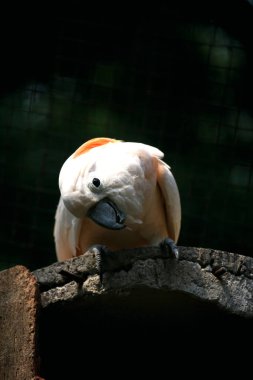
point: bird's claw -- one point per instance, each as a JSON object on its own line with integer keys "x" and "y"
{"x": 100, "y": 251}
{"x": 169, "y": 248}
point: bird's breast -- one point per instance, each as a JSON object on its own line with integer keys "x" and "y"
{"x": 92, "y": 234}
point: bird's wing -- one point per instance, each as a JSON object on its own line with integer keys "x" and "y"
{"x": 171, "y": 197}
{"x": 66, "y": 232}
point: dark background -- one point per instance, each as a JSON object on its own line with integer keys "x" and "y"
{"x": 176, "y": 76}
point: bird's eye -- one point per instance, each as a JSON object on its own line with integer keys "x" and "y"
{"x": 96, "y": 182}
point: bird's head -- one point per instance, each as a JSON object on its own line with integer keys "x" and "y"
{"x": 107, "y": 182}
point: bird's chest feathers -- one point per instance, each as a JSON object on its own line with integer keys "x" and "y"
{"x": 92, "y": 234}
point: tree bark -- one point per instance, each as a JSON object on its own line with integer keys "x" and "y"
{"x": 18, "y": 315}
{"x": 147, "y": 303}
{"x": 122, "y": 296}
{"x": 218, "y": 277}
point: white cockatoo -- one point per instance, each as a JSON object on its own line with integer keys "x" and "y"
{"x": 115, "y": 194}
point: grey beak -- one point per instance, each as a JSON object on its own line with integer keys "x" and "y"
{"x": 106, "y": 214}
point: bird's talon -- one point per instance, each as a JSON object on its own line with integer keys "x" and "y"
{"x": 169, "y": 248}
{"x": 100, "y": 251}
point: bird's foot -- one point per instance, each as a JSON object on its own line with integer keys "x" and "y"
{"x": 169, "y": 248}
{"x": 100, "y": 252}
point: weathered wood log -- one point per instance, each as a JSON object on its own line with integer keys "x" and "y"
{"x": 119, "y": 296}
{"x": 147, "y": 304}
{"x": 222, "y": 278}
{"x": 18, "y": 316}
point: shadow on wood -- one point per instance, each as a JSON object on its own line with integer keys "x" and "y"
{"x": 143, "y": 327}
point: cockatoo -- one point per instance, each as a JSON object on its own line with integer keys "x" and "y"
{"x": 116, "y": 194}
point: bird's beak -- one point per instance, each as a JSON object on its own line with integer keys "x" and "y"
{"x": 106, "y": 214}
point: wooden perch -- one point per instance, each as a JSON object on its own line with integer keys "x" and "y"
{"x": 222, "y": 278}
{"x": 147, "y": 303}
{"x": 145, "y": 295}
